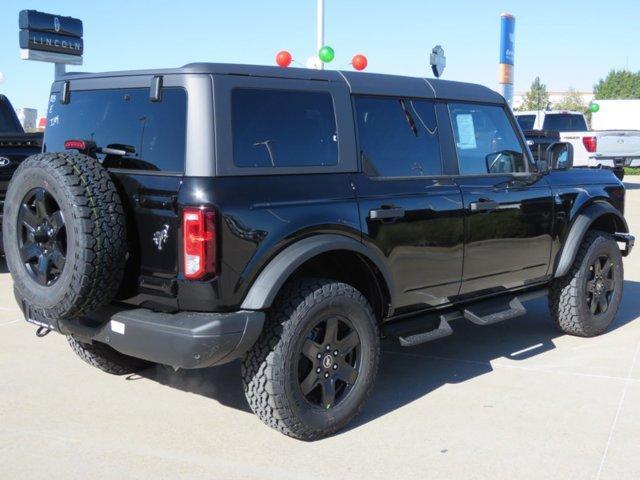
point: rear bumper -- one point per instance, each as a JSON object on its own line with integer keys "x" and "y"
{"x": 614, "y": 162}
{"x": 181, "y": 340}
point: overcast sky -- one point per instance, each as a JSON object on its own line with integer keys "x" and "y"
{"x": 568, "y": 43}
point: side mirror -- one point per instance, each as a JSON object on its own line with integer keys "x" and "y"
{"x": 559, "y": 156}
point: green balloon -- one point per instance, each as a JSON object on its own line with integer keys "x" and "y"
{"x": 594, "y": 107}
{"x": 326, "y": 54}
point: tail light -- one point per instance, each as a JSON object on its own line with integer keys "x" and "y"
{"x": 83, "y": 146}
{"x": 199, "y": 242}
{"x": 590, "y": 143}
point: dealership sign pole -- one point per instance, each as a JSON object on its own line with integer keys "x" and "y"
{"x": 505, "y": 69}
{"x": 51, "y": 38}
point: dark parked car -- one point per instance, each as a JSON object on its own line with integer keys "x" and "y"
{"x": 287, "y": 217}
{"x": 15, "y": 146}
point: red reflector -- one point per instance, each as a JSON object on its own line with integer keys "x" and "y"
{"x": 590, "y": 143}
{"x": 199, "y": 242}
{"x": 75, "y": 145}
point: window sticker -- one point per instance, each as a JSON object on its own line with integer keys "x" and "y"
{"x": 466, "y": 131}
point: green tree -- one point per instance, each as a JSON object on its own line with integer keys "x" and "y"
{"x": 619, "y": 84}
{"x": 537, "y": 98}
{"x": 571, "y": 101}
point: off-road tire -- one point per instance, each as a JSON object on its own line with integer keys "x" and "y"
{"x": 96, "y": 240}
{"x": 267, "y": 369}
{"x": 568, "y": 295}
{"x": 106, "y": 358}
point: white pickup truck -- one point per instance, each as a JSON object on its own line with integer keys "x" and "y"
{"x": 614, "y": 149}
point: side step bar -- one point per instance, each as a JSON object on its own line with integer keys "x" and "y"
{"x": 499, "y": 309}
{"x": 425, "y": 328}
{"x": 516, "y": 309}
{"x": 443, "y": 330}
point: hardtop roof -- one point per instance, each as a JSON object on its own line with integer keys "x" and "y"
{"x": 357, "y": 82}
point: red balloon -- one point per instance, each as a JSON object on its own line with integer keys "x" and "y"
{"x": 359, "y": 62}
{"x": 283, "y": 59}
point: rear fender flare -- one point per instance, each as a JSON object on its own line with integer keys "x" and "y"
{"x": 580, "y": 226}
{"x": 269, "y": 282}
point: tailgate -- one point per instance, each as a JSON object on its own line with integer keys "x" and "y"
{"x": 618, "y": 144}
{"x": 13, "y": 150}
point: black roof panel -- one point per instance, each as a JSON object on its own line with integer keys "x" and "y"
{"x": 381, "y": 84}
{"x": 358, "y": 82}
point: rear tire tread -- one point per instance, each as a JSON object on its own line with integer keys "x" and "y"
{"x": 106, "y": 359}
{"x": 262, "y": 366}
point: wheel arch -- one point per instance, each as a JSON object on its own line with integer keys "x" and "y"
{"x": 332, "y": 255}
{"x": 596, "y": 216}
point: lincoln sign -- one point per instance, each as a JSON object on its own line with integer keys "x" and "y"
{"x": 50, "y": 33}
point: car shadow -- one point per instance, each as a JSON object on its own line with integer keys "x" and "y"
{"x": 222, "y": 383}
{"x": 407, "y": 374}
{"x": 3, "y": 264}
{"x": 632, "y": 185}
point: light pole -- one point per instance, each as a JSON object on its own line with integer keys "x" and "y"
{"x": 320, "y": 30}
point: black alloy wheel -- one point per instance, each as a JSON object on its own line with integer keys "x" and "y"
{"x": 600, "y": 285}
{"x": 329, "y": 362}
{"x": 42, "y": 236}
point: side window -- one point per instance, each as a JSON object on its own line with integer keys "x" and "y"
{"x": 398, "y": 137}
{"x": 152, "y": 133}
{"x": 283, "y": 128}
{"x": 485, "y": 140}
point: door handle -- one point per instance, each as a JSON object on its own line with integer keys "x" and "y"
{"x": 386, "y": 213}
{"x": 483, "y": 205}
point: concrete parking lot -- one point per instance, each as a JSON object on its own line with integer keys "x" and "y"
{"x": 513, "y": 400}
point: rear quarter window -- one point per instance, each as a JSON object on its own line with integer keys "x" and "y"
{"x": 283, "y": 128}
{"x": 153, "y": 132}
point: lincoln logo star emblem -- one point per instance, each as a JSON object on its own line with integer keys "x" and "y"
{"x": 161, "y": 237}
{"x": 56, "y": 24}
{"x": 4, "y": 162}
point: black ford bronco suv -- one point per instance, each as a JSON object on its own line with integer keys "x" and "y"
{"x": 290, "y": 218}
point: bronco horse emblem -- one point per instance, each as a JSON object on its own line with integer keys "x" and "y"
{"x": 161, "y": 237}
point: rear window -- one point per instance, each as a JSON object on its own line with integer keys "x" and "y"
{"x": 565, "y": 122}
{"x": 526, "y": 122}
{"x": 283, "y": 128}
{"x": 153, "y": 133}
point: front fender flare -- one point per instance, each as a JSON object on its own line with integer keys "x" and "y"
{"x": 583, "y": 221}
{"x": 269, "y": 282}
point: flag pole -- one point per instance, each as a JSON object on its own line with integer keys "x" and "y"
{"x": 320, "y": 30}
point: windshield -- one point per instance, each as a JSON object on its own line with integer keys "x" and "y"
{"x": 526, "y": 121}
{"x": 7, "y": 120}
{"x": 565, "y": 122}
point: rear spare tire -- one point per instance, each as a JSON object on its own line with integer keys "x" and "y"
{"x": 64, "y": 236}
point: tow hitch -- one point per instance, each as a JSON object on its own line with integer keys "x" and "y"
{"x": 42, "y": 332}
